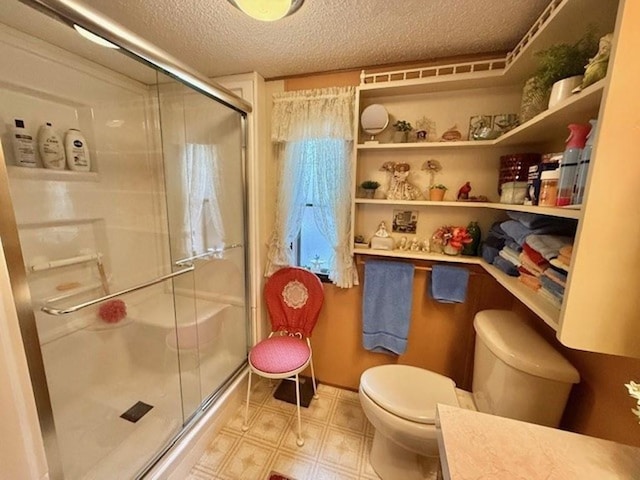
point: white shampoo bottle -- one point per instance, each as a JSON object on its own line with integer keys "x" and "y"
{"x": 24, "y": 149}
{"x": 77, "y": 152}
{"x": 51, "y": 148}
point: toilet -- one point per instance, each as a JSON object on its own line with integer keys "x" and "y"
{"x": 516, "y": 374}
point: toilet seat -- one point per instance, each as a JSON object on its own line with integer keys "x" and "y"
{"x": 408, "y": 392}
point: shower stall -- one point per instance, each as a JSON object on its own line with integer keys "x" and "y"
{"x": 130, "y": 279}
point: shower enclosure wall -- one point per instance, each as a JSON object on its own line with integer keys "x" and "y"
{"x": 157, "y": 225}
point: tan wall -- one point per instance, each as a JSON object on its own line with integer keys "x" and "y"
{"x": 441, "y": 338}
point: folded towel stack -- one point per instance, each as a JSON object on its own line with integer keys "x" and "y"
{"x": 535, "y": 248}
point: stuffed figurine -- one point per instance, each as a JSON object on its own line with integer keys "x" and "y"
{"x": 463, "y": 193}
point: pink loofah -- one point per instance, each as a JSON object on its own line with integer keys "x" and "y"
{"x": 113, "y": 311}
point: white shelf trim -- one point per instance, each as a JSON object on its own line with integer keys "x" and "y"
{"x": 549, "y": 211}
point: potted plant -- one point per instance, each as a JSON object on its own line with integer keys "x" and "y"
{"x": 402, "y": 131}
{"x": 369, "y": 187}
{"x": 436, "y": 192}
{"x": 559, "y": 62}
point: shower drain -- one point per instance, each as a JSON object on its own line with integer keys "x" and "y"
{"x": 135, "y": 413}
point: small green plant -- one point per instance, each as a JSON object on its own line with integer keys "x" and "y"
{"x": 402, "y": 126}
{"x": 438, "y": 186}
{"x": 369, "y": 185}
{"x": 564, "y": 60}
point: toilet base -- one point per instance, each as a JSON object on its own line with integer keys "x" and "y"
{"x": 391, "y": 462}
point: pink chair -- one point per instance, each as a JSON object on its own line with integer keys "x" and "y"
{"x": 294, "y": 298}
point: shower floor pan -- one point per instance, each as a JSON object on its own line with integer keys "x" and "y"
{"x": 95, "y": 375}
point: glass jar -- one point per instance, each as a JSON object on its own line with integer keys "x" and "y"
{"x": 549, "y": 188}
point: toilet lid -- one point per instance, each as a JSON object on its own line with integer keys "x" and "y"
{"x": 408, "y": 392}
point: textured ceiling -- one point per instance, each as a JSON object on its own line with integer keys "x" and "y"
{"x": 217, "y": 39}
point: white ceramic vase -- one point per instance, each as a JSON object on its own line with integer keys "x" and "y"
{"x": 562, "y": 89}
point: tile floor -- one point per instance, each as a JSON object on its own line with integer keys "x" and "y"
{"x": 337, "y": 436}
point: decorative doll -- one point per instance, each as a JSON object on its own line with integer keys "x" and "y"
{"x": 400, "y": 188}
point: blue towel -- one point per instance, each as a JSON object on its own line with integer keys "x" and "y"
{"x": 448, "y": 284}
{"x": 506, "y": 266}
{"x": 489, "y": 252}
{"x": 513, "y": 245}
{"x": 534, "y": 221}
{"x": 519, "y": 232}
{"x": 386, "y": 306}
{"x": 553, "y": 287}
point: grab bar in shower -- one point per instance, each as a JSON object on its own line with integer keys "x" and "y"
{"x": 80, "y": 306}
{"x": 37, "y": 267}
{"x": 209, "y": 253}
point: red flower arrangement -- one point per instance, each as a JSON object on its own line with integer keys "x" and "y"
{"x": 453, "y": 237}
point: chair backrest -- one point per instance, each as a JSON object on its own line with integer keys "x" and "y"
{"x": 294, "y": 298}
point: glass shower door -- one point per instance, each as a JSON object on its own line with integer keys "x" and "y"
{"x": 204, "y": 171}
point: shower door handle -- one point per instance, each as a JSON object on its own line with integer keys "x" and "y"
{"x": 209, "y": 253}
{"x": 80, "y": 306}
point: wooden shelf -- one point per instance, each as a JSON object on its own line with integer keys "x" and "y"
{"x": 550, "y": 211}
{"x": 545, "y": 126}
{"x": 535, "y": 302}
{"x": 435, "y": 257}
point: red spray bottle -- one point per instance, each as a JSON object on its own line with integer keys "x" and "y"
{"x": 570, "y": 159}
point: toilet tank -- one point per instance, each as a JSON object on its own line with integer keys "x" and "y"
{"x": 516, "y": 373}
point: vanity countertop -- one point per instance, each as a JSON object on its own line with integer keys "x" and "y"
{"x": 476, "y": 445}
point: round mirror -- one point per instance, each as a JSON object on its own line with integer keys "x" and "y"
{"x": 374, "y": 119}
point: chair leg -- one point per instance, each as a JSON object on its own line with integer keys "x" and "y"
{"x": 299, "y": 440}
{"x": 313, "y": 379}
{"x": 245, "y": 424}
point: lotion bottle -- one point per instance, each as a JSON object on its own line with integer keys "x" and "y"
{"x": 24, "y": 149}
{"x": 51, "y": 148}
{"x": 77, "y": 152}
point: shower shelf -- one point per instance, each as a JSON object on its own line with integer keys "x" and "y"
{"x": 47, "y": 174}
{"x": 64, "y": 262}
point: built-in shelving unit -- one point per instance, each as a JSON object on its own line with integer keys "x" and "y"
{"x": 428, "y": 89}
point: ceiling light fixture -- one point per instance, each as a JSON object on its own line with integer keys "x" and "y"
{"x": 93, "y": 37}
{"x": 267, "y": 10}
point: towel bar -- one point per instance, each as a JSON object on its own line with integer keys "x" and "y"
{"x": 428, "y": 269}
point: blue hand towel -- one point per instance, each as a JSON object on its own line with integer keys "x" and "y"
{"x": 386, "y": 306}
{"x": 448, "y": 284}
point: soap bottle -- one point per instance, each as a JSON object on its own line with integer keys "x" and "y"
{"x": 569, "y": 164}
{"x": 51, "y": 148}
{"x": 583, "y": 165}
{"x": 77, "y": 152}
{"x": 24, "y": 149}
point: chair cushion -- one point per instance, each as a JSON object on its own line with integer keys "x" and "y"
{"x": 279, "y": 354}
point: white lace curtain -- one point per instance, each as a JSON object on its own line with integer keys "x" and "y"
{"x": 312, "y": 131}
{"x": 200, "y": 179}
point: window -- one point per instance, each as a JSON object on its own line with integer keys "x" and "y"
{"x": 313, "y": 251}
{"x": 312, "y": 131}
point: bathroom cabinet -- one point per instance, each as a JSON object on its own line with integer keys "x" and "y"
{"x": 601, "y": 310}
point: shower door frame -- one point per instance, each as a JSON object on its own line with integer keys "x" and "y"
{"x": 71, "y": 13}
